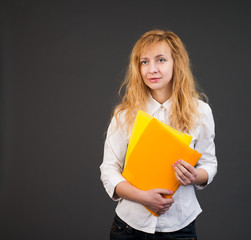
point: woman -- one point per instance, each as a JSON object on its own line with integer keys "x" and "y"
{"x": 159, "y": 81}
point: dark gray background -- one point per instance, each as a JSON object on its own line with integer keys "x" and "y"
{"x": 62, "y": 63}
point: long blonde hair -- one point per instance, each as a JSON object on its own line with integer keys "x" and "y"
{"x": 183, "y": 109}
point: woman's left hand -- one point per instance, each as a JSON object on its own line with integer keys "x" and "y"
{"x": 185, "y": 173}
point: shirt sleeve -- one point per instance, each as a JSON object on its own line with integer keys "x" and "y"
{"x": 113, "y": 160}
{"x": 205, "y": 145}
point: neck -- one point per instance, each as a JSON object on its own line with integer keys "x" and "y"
{"x": 160, "y": 96}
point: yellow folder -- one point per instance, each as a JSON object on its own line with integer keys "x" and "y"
{"x": 152, "y": 149}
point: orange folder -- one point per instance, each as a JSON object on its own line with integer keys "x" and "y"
{"x": 149, "y": 162}
{"x": 141, "y": 122}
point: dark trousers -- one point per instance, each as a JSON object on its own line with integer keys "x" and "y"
{"x": 121, "y": 231}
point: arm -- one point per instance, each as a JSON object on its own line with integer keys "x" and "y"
{"x": 113, "y": 159}
{"x": 187, "y": 174}
{"x": 116, "y": 185}
{"x": 152, "y": 199}
{"x": 204, "y": 171}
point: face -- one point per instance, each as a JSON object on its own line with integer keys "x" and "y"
{"x": 156, "y": 68}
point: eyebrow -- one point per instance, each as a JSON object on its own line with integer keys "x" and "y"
{"x": 160, "y": 55}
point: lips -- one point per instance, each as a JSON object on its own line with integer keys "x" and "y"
{"x": 154, "y": 80}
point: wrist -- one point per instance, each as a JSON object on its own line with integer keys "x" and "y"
{"x": 202, "y": 177}
{"x": 137, "y": 195}
{"x": 127, "y": 191}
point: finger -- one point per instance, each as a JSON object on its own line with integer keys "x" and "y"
{"x": 164, "y": 191}
{"x": 183, "y": 174}
{"x": 188, "y": 166}
{"x": 179, "y": 179}
{"x": 169, "y": 200}
{"x": 184, "y": 171}
{"x": 161, "y": 212}
{"x": 167, "y": 204}
{"x": 179, "y": 172}
{"x": 166, "y": 207}
{"x": 189, "y": 172}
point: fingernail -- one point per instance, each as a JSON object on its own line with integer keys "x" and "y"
{"x": 179, "y": 160}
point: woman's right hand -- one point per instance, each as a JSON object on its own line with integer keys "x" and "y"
{"x": 155, "y": 201}
{"x": 152, "y": 199}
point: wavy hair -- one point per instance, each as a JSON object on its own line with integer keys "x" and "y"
{"x": 183, "y": 109}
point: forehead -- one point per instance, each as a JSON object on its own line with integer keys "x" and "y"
{"x": 154, "y": 49}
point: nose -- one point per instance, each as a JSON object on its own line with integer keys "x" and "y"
{"x": 152, "y": 68}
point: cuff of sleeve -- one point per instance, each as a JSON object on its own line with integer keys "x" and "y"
{"x": 210, "y": 177}
{"x": 111, "y": 188}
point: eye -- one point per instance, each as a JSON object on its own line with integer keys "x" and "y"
{"x": 162, "y": 60}
{"x": 143, "y": 62}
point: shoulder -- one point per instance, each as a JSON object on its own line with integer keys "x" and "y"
{"x": 203, "y": 107}
{"x": 205, "y": 118}
{"x": 119, "y": 118}
{"x": 117, "y": 124}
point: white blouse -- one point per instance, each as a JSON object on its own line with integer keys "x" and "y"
{"x": 185, "y": 207}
